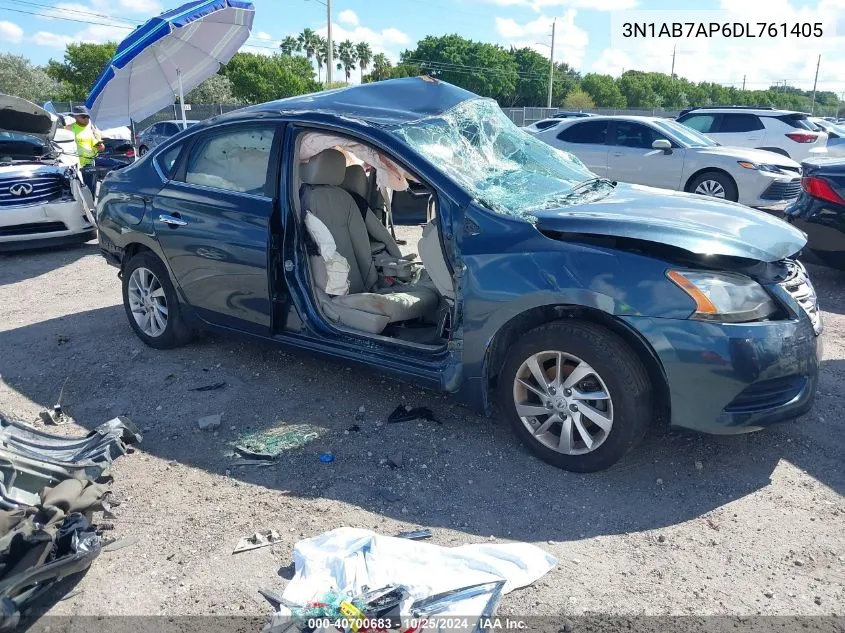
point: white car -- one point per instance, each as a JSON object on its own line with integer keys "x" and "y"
{"x": 42, "y": 199}
{"x": 782, "y": 131}
{"x": 659, "y": 153}
{"x": 835, "y": 136}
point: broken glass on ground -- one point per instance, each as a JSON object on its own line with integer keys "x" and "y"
{"x": 506, "y": 169}
{"x": 270, "y": 443}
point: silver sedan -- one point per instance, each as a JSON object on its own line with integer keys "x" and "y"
{"x": 661, "y": 153}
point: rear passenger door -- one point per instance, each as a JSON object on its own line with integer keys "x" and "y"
{"x": 212, "y": 220}
{"x": 588, "y": 141}
{"x": 742, "y": 129}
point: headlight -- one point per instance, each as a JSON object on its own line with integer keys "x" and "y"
{"x": 760, "y": 167}
{"x": 727, "y": 297}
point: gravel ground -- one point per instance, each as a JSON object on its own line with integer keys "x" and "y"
{"x": 686, "y": 524}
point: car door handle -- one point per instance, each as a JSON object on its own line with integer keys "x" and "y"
{"x": 171, "y": 220}
{"x": 617, "y": 153}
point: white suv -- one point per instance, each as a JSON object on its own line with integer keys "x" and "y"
{"x": 783, "y": 131}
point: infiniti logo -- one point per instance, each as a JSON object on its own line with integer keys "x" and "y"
{"x": 20, "y": 189}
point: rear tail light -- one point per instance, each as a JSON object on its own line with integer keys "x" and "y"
{"x": 819, "y": 188}
{"x": 130, "y": 152}
{"x": 803, "y": 137}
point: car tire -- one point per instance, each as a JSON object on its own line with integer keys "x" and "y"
{"x": 142, "y": 150}
{"x": 612, "y": 369}
{"x": 151, "y": 304}
{"x": 718, "y": 183}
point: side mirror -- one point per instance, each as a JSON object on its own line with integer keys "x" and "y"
{"x": 662, "y": 144}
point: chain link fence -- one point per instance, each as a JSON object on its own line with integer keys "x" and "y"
{"x": 527, "y": 116}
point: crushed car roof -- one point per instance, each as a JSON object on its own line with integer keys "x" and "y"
{"x": 386, "y": 103}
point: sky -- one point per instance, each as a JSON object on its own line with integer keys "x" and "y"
{"x": 588, "y": 32}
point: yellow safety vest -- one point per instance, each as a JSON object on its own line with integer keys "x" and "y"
{"x": 87, "y": 139}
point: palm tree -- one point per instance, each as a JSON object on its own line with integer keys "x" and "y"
{"x": 365, "y": 56}
{"x": 308, "y": 43}
{"x": 320, "y": 55}
{"x": 289, "y": 45}
{"x": 347, "y": 55}
{"x": 323, "y": 54}
{"x": 381, "y": 67}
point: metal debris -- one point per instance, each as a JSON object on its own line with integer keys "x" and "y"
{"x": 113, "y": 546}
{"x": 416, "y": 535}
{"x": 259, "y": 539}
{"x": 212, "y": 387}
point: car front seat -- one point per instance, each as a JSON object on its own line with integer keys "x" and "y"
{"x": 366, "y": 307}
{"x": 355, "y": 182}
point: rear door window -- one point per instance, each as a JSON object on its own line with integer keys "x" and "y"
{"x": 544, "y": 125}
{"x": 736, "y": 123}
{"x": 236, "y": 159}
{"x": 594, "y": 132}
{"x": 701, "y": 122}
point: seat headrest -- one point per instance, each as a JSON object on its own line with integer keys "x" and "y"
{"x": 326, "y": 168}
{"x": 356, "y": 180}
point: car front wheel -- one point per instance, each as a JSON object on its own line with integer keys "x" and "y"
{"x": 716, "y": 185}
{"x": 576, "y": 395}
{"x": 151, "y": 304}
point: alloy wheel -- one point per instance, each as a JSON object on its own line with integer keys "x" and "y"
{"x": 711, "y": 188}
{"x": 147, "y": 302}
{"x": 563, "y": 402}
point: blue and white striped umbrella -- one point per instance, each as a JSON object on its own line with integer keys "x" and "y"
{"x": 166, "y": 56}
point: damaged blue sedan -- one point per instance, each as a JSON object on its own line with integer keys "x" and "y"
{"x": 585, "y": 309}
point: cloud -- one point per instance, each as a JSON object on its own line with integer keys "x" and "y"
{"x": 94, "y": 34}
{"x": 144, "y": 7}
{"x": 10, "y": 32}
{"x": 760, "y": 61}
{"x": 348, "y": 17}
{"x": 595, "y": 5}
{"x": 52, "y": 40}
{"x": 570, "y": 40}
{"x": 262, "y": 35}
{"x": 382, "y": 41}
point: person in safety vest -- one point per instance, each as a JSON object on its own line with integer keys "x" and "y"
{"x": 88, "y": 143}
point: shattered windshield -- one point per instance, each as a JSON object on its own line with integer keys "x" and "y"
{"x": 506, "y": 169}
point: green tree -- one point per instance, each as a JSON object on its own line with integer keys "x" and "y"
{"x": 290, "y": 45}
{"x": 483, "y": 68}
{"x": 636, "y": 89}
{"x": 320, "y": 56}
{"x": 347, "y": 55}
{"x": 603, "y": 91}
{"x": 308, "y": 43}
{"x": 259, "y": 78}
{"x": 381, "y": 68}
{"x": 81, "y": 66}
{"x": 365, "y": 56}
{"x": 215, "y": 89}
{"x": 578, "y": 100}
{"x": 21, "y": 78}
{"x": 532, "y": 84}
{"x": 566, "y": 79}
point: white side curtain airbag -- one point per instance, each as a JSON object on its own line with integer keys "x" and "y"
{"x": 337, "y": 268}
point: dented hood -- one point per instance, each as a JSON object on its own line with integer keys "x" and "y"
{"x": 24, "y": 117}
{"x": 705, "y": 226}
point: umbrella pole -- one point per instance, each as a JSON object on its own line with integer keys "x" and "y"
{"x": 182, "y": 99}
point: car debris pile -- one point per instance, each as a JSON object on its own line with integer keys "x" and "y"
{"x": 50, "y": 486}
{"x": 351, "y": 579}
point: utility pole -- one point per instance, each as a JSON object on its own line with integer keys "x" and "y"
{"x": 815, "y": 82}
{"x": 672, "y": 74}
{"x": 552, "y": 63}
{"x": 743, "y": 83}
{"x": 329, "y": 47}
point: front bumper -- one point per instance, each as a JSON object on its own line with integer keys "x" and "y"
{"x": 51, "y": 223}
{"x": 735, "y": 378}
{"x": 764, "y": 189}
